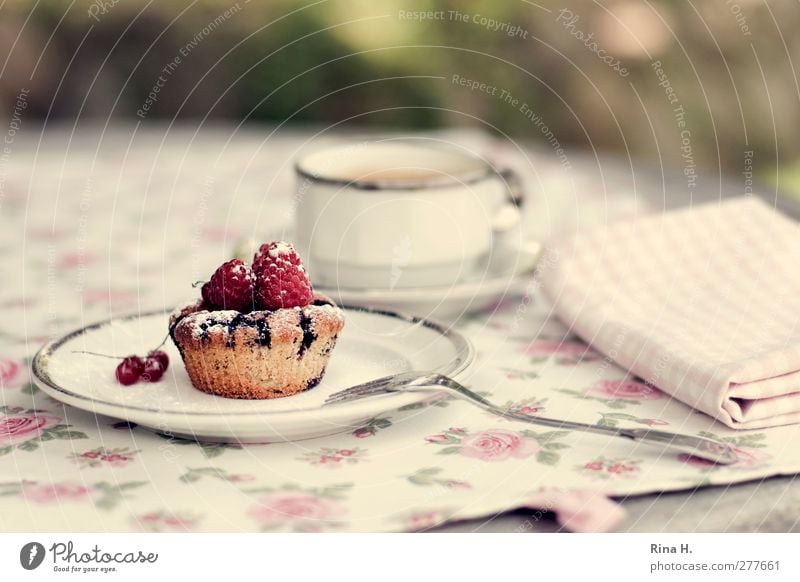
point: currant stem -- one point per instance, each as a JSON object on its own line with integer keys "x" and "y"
{"x": 166, "y": 337}
{"x": 96, "y": 354}
{"x": 155, "y": 349}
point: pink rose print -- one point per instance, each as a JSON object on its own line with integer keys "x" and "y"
{"x": 372, "y": 427}
{"x": 21, "y": 302}
{"x": 527, "y": 407}
{"x": 161, "y": 521}
{"x": 115, "y": 459}
{"x": 421, "y": 520}
{"x": 440, "y": 399}
{"x": 746, "y": 448}
{"x": 332, "y": 458}
{"x": 219, "y": 234}
{"x": 564, "y": 352}
{"x": 435, "y": 399}
{"x": 111, "y": 297}
{"x": 579, "y": 510}
{"x": 500, "y": 305}
{"x": 11, "y": 374}
{"x": 74, "y": 260}
{"x": 498, "y": 445}
{"x": 20, "y": 427}
{"x": 296, "y": 508}
{"x": 614, "y": 418}
{"x": 118, "y": 457}
{"x": 196, "y": 474}
{"x": 103, "y": 495}
{"x": 240, "y": 478}
{"x": 46, "y": 233}
{"x": 746, "y": 458}
{"x": 54, "y": 492}
{"x": 520, "y": 373}
{"x": 604, "y": 468}
{"x": 529, "y": 410}
{"x": 432, "y": 476}
{"x": 623, "y": 390}
{"x": 696, "y": 461}
{"x": 549, "y": 348}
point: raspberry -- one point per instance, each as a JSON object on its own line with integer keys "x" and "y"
{"x": 281, "y": 278}
{"x": 230, "y": 287}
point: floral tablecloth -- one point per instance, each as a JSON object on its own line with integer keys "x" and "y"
{"x": 93, "y": 227}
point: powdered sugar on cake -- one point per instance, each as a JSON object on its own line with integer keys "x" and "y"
{"x": 206, "y": 320}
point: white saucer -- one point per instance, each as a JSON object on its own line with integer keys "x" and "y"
{"x": 453, "y": 301}
{"x": 372, "y": 344}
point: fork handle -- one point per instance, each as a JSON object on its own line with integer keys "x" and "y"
{"x": 697, "y": 446}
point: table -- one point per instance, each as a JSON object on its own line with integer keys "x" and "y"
{"x": 244, "y": 160}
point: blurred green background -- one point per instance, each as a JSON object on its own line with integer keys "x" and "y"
{"x": 728, "y": 64}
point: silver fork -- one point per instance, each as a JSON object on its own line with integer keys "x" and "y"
{"x": 708, "y": 449}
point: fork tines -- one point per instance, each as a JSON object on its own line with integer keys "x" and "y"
{"x": 361, "y": 390}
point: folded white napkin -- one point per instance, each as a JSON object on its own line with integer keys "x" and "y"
{"x": 703, "y": 303}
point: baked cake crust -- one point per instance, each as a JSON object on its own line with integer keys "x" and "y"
{"x": 260, "y": 354}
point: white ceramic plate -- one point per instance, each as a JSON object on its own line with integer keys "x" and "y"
{"x": 453, "y": 301}
{"x": 372, "y": 344}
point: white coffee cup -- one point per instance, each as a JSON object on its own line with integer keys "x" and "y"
{"x": 400, "y": 213}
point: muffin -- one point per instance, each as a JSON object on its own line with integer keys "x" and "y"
{"x": 257, "y": 333}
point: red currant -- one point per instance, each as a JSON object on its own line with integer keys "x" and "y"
{"x": 130, "y": 370}
{"x": 161, "y": 357}
{"x": 153, "y": 369}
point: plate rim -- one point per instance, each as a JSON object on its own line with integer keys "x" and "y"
{"x": 465, "y": 357}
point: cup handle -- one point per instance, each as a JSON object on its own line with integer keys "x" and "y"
{"x": 513, "y": 182}
{"x": 509, "y": 215}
